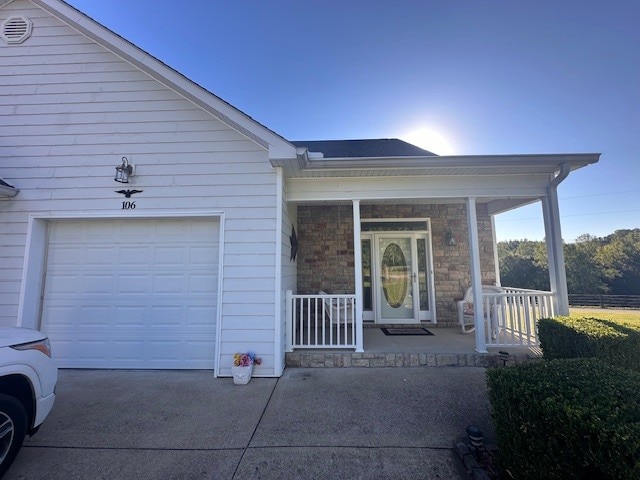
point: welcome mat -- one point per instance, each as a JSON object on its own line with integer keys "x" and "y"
{"x": 406, "y": 331}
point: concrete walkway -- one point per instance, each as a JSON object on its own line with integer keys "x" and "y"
{"x": 373, "y": 423}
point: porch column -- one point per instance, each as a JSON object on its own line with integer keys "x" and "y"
{"x": 555, "y": 253}
{"x": 476, "y": 274}
{"x": 357, "y": 252}
{"x": 496, "y": 260}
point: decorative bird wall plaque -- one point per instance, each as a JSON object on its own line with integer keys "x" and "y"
{"x": 128, "y": 193}
{"x": 294, "y": 244}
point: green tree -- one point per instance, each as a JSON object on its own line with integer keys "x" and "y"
{"x": 523, "y": 264}
{"x": 620, "y": 257}
{"x": 585, "y": 274}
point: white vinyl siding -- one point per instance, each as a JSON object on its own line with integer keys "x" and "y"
{"x": 70, "y": 109}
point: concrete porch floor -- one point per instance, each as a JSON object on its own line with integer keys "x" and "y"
{"x": 446, "y": 347}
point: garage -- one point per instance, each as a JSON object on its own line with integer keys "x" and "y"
{"x": 134, "y": 293}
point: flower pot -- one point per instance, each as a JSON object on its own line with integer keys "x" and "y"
{"x": 241, "y": 375}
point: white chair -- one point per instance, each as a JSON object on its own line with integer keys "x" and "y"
{"x": 466, "y": 314}
{"x": 335, "y": 309}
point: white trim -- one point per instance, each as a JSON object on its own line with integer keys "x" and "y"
{"x": 476, "y": 274}
{"x": 426, "y": 220}
{"x": 574, "y": 160}
{"x": 553, "y": 234}
{"x": 496, "y": 260}
{"x": 357, "y": 251}
{"x": 216, "y": 360}
{"x": 278, "y": 352}
{"x": 427, "y": 235}
{"x": 404, "y": 187}
{"x": 98, "y": 214}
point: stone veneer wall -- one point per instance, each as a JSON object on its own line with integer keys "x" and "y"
{"x": 325, "y": 253}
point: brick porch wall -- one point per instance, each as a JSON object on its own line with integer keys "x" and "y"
{"x": 326, "y": 261}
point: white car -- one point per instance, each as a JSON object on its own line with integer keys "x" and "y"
{"x": 28, "y": 379}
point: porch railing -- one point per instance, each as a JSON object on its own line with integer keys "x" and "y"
{"x": 512, "y": 316}
{"x": 321, "y": 321}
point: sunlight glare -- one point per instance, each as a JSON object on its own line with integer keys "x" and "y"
{"x": 429, "y": 140}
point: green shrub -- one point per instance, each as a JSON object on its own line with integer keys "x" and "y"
{"x": 570, "y": 337}
{"x": 567, "y": 419}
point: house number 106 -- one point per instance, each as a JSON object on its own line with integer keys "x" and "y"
{"x": 128, "y": 205}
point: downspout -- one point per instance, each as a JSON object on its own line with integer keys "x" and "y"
{"x": 565, "y": 169}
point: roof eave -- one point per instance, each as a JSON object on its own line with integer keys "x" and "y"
{"x": 575, "y": 160}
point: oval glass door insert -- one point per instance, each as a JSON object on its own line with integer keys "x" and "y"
{"x": 395, "y": 281}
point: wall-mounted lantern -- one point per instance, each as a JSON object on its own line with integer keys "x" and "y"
{"x": 124, "y": 171}
{"x": 449, "y": 238}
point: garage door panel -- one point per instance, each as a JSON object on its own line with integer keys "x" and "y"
{"x": 110, "y": 304}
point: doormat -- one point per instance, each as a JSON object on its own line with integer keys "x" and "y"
{"x": 405, "y": 331}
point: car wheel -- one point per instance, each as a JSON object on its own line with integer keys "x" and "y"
{"x": 13, "y": 428}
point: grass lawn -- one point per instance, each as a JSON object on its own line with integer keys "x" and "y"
{"x": 615, "y": 315}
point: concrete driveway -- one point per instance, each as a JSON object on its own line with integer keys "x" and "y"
{"x": 396, "y": 423}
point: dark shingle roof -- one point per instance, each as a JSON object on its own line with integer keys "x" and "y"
{"x": 5, "y": 184}
{"x": 381, "y": 147}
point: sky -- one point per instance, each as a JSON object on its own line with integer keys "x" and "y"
{"x": 473, "y": 76}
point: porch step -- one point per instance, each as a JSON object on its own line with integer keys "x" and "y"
{"x": 317, "y": 359}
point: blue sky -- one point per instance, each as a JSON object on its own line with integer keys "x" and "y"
{"x": 486, "y": 76}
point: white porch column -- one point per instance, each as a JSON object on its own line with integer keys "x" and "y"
{"x": 357, "y": 252}
{"x": 476, "y": 274}
{"x": 496, "y": 260}
{"x": 555, "y": 253}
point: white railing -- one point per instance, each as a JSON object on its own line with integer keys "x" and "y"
{"x": 513, "y": 316}
{"x": 321, "y": 321}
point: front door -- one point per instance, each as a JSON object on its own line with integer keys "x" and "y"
{"x": 395, "y": 281}
{"x": 401, "y": 278}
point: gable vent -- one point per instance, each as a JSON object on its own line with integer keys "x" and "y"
{"x": 16, "y": 29}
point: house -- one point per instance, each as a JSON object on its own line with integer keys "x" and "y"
{"x": 146, "y": 223}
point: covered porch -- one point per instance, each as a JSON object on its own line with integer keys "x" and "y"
{"x": 447, "y": 347}
{"x": 401, "y": 244}
{"x": 329, "y": 322}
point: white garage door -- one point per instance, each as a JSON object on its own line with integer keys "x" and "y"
{"x": 132, "y": 293}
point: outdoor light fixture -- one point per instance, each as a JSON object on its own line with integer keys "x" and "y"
{"x": 449, "y": 238}
{"x": 475, "y": 436}
{"x": 504, "y": 356}
{"x": 124, "y": 171}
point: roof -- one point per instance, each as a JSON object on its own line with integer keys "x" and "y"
{"x": 4, "y": 184}
{"x": 371, "y": 148}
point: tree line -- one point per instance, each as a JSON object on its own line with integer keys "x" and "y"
{"x": 595, "y": 265}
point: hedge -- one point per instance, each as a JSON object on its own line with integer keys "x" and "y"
{"x": 567, "y": 419}
{"x": 570, "y": 337}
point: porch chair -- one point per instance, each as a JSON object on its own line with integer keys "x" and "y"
{"x": 466, "y": 314}
{"x": 335, "y": 309}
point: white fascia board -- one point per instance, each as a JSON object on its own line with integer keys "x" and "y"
{"x": 575, "y": 160}
{"x": 226, "y": 113}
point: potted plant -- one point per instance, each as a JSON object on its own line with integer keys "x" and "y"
{"x": 243, "y": 367}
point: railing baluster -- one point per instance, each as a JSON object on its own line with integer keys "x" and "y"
{"x": 322, "y": 321}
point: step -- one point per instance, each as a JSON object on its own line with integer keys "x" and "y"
{"x": 315, "y": 359}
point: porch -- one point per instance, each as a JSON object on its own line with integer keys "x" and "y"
{"x": 325, "y": 330}
{"x": 447, "y": 347}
